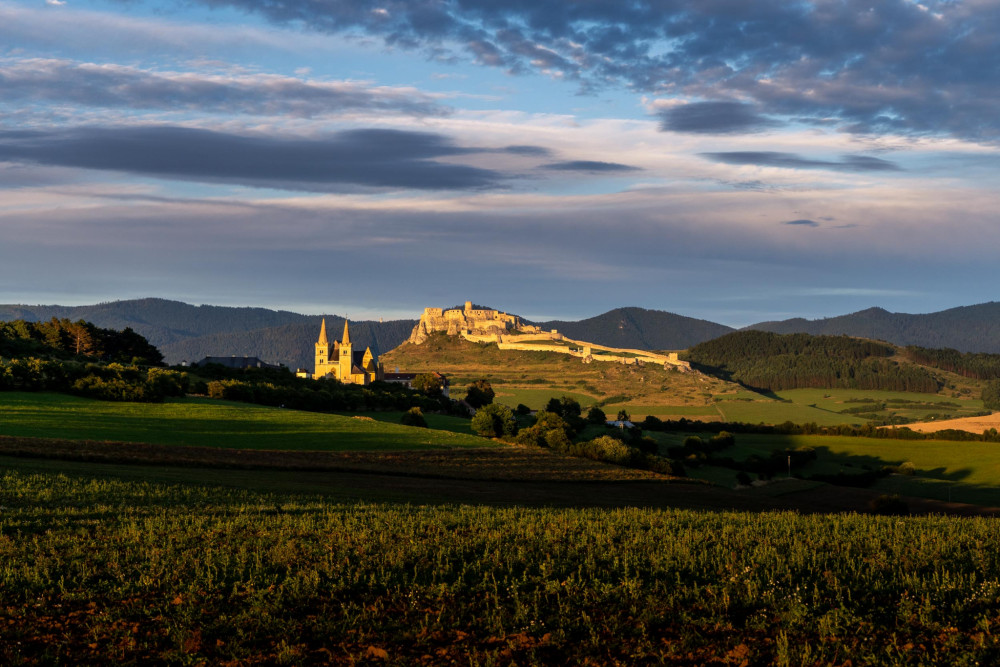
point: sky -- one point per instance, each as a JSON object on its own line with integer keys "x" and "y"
{"x": 728, "y": 160}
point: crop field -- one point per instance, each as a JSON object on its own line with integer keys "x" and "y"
{"x": 216, "y": 423}
{"x": 99, "y": 571}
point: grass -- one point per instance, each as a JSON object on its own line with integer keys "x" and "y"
{"x": 103, "y": 571}
{"x": 215, "y": 423}
{"x": 522, "y": 374}
{"x": 776, "y": 412}
{"x": 536, "y": 399}
{"x": 970, "y": 469}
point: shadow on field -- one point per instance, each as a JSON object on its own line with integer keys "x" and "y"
{"x": 496, "y": 476}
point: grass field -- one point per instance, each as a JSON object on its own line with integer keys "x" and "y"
{"x": 216, "y": 423}
{"x": 961, "y": 471}
{"x": 100, "y": 571}
{"x": 776, "y": 412}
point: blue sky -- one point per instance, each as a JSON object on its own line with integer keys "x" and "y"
{"x": 727, "y": 160}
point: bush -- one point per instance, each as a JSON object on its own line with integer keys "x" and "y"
{"x": 889, "y": 505}
{"x": 522, "y": 409}
{"x": 413, "y": 417}
{"x": 493, "y": 421}
{"x": 743, "y": 479}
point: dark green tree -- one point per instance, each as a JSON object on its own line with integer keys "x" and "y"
{"x": 480, "y": 393}
{"x": 493, "y": 421}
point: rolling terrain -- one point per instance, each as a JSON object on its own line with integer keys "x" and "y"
{"x": 966, "y": 328}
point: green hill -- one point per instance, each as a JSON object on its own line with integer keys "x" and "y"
{"x": 767, "y": 361}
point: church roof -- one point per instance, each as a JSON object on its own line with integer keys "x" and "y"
{"x": 346, "y": 340}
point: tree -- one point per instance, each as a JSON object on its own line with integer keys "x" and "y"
{"x": 624, "y": 416}
{"x": 494, "y": 420}
{"x": 428, "y": 383}
{"x": 480, "y": 393}
{"x": 596, "y": 416}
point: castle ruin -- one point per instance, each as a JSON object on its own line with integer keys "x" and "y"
{"x": 467, "y": 321}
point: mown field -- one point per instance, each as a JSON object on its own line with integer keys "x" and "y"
{"x": 217, "y": 423}
{"x": 99, "y": 571}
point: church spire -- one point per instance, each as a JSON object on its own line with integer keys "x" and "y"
{"x": 346, "y": 340}
{"x": 322, "y": 334}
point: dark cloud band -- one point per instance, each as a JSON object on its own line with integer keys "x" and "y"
{"x": 369, "y": 158}
{"x": 851, "y": 163}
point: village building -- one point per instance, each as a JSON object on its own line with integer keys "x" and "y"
{"x": 342, "y": 362}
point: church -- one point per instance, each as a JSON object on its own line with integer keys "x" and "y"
{"x": 343, "y": 363}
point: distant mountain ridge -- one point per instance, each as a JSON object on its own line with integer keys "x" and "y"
{"x": 639, "y": 328}
{"x": 185, "y": 332}
{"x": 965, "y": 328}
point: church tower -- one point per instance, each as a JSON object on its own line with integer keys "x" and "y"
{"x": 322, "y": 349}
{"x": 346, "y": 355}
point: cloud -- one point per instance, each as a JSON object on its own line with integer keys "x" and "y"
{"x": 96, "y": 85}
{"x": 528, "y": 150}
{"x": 849, "y": 163}
{"x": 893, "y": 66}
{"x": 713, "y": 118}
{"x": 589, "y": 165}
{"x": 803, "y": 222}
{"x": 366, "y": 158}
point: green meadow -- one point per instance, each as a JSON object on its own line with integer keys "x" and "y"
{"x": 216, "y": 423}
{"x": 943, "y": 470}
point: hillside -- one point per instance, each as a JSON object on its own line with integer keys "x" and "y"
{"x": 768, "y": 361}
{"x": 290, "y": 344}
{"x": 185, "y": 332}
{"x": 640, "y": 328}
{"x": 966, "y": 328}
{"x": 533, "y": 378}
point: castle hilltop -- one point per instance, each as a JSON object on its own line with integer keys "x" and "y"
{"x": 510, "y": 332}
{"x": 343, "y": 362}
{"x": 466, "y": 322}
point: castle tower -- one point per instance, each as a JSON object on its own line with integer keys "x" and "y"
{"x": 346, "y": 354}
{"x": 468, "y": 306}
{"x": 322, "y": 349}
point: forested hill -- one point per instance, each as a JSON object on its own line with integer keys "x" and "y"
{"x": 160, "y": 321}
{"x": 290, "y": 344}
{"x": 639, "y": 328}
{"x": 185, "y": 332}
{"x": 771, "y": 362}
{"x": 967, "y": 328}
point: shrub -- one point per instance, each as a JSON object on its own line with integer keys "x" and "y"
{"x": 413, "y": 417}
{"x": 743, "y": 479}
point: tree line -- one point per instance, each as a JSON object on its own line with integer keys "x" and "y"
{"x": 63, "y": 338}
